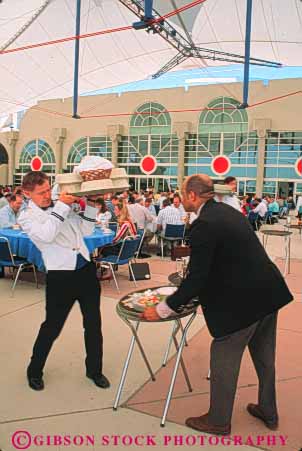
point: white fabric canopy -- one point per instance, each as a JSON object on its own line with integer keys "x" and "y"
{"x": 113, "y": 59}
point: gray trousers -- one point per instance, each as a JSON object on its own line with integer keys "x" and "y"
{"x": 226, "y": 356}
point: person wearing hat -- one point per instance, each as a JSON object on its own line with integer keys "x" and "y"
{"x": 58, "y": 233}
{"x": 224, "y": 248}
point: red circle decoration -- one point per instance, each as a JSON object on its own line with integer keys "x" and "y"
{"x": 221, "y": 165}
{"x": 298, "y": 167}
{"x": 148, "y": 164}
{"x": 36, "y": 164}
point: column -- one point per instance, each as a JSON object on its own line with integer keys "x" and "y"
{"x": 181, "y": 129}
{"x": 261, "y": 126}
{"x": 260, "y": 166}
{"x": 12, "y": 138}
{"x": 114, "y": 132}
{"x": 60, "y": 137}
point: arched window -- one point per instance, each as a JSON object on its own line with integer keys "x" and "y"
{"x": 223, "y": 115}
{"x": 100, "y": 146}
{"x": 150, "y": 118}
{"x": 3, "y": 155}
{"x": 36, "y": 148}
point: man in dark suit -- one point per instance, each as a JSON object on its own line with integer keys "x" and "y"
{"x": 240, "y": 291}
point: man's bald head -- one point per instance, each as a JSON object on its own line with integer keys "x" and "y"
{"x": 200, "y": 184}
{"x": 196, "y": 190}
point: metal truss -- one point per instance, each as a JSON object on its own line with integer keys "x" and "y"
{"x": 185, "y": 48}
{"x": 26, "y": 25}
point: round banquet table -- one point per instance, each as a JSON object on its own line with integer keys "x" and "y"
{"x": 22, "y": 246}
{"x": 295, "y": 227}
{"x": 286, "y": 234}
{"x": 133, "y": 320}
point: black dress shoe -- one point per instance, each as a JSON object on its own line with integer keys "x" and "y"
{"x": 255, "y": 411}
{"x": 36, "y": 383}
{"x": 100, "y": 380}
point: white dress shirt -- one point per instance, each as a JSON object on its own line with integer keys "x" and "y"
{"x": 58, "y": 233}
{"x": 140, "y": 215}
{"x": 170, "y": 215}
{"x": 8, "y": 217}
{"x": 261, "y": 208}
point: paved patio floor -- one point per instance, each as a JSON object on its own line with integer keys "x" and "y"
{"x": 72, "y": 405}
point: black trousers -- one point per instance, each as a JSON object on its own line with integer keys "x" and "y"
{"x": 226, "y": 355}
{"x": 63, "y": 288}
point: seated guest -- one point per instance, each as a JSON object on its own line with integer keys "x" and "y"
{"x": 161, "y": 199}
{"x": 125, "y": 195}
{"x": 168, "y": 215}
{"x": 126, "y": 228}
{"x": 176, "y": 203}
{"x": 3, "y": 200}
{"x": 138, "y": 213}
{"x": 150, "y": 207}
{"x": 111, "y": 202}
{"x": 274, "y": 207}
{"x": 262, "y": 207}
{"x": 245, "y": 206}
{"x": 9, "y": 214}
{"x": 254, "y": 201}
{"x": 103, "y": 214}
{"x": 142, "y": 217}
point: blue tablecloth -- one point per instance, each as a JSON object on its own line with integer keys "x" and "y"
{"x": 22, "y": 246}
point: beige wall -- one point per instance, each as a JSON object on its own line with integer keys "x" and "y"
{"x": 284, "y": 114}
{"x": 3, "y": 174}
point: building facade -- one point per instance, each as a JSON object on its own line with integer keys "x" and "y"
{"x": 187, "y": 131}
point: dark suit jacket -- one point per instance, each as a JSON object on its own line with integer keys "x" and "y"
{"x": 236, "y": 282}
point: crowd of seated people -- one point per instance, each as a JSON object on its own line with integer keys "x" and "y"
{"x": 150, "y": 211}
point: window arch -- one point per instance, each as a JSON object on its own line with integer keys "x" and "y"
{"x": 3, "y": 155}
{"x": 100, "y": 146}
{"x": 150, "y": 118}
{"x": 223, "y": 115}
{"x": 36, "y": 148}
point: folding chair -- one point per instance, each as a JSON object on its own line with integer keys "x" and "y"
{"x": 7, "y": 259}
{"x": 126, "y": 255}
{"x": 173, "y": 232}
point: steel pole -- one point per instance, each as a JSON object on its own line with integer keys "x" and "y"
{"x": 248, "y": 30}
{"x": 76, "y": 62}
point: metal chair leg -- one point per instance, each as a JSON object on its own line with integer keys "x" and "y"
{"x": 35, "y": 275}
{"x": 162, "y": 248}
{"x": 179, "y": 352}
{"x": 16, "y": 278}
{"x": 114, "y": 278}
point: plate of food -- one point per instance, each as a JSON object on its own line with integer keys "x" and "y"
{"x": 149, "y": 298}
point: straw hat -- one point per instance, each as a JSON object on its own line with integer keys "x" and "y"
{"x": 222, "y": 189}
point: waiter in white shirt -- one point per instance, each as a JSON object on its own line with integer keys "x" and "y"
{"x": 232, "y": 199}
{"x": 58, "y": 232}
